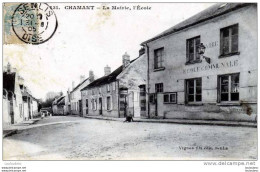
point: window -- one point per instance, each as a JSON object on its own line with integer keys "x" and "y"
{"x": 109, "y": 103}
{"x": 229, "y": 40}
{"x": 158, "y": 58}
{"x": 152, "y": 98}
{"x": 229, "y": 87}
{"x": 100, "y": 90}
{"x": 192, "y": 48}
{"x": 143, "y": 105}
{"x": 108, "y": 87}
{"x": 94, "y": 104}
{"x": 159, "y": 87}
{"x": 142, "y": 90}
{"x": 114, "y": 85}
{"x": 170, "y": 98}
{"x": 193, "y": 90}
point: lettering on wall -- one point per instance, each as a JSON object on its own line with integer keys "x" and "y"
{"x": 211, "y": 44}
{"x": 233, "y": 63}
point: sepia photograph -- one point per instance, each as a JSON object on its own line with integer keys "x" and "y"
{"x": 130, "y": 81}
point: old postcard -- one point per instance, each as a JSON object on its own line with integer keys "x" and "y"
{"x": 130, "y": 81}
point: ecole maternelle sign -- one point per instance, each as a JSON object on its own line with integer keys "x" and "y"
{"x": 214, "y": 66}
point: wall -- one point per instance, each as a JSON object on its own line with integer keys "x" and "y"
{"x": 34, "y": 108}
{"x": 132, "y": 77}
{"x": 175, "y": 73}
{"x": 76, "y": 96}
{"x": 101, "y": 92}
{"x": 6, "y": 112}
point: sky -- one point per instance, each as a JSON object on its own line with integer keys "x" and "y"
{"x": 89, "y": 40}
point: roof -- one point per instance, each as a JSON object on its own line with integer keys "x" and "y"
{"x": 106, "y": 79}
{"x": 9, "y": 81}
{"x": 79, "y": 85}
{"x": 210, "y": 13}
{"x": 62, "y": 101}
{"x": 57, "y": 101}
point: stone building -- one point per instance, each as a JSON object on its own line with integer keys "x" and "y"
{"x": 58, "y": 106}
{"x": 116, "y": 94}
{"x": 75, "y": 94}
{"x": 206, "y": 66}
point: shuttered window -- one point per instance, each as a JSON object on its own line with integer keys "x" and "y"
{"x": 229, "y": 87}
{"x": 193, "y": 90}
{"x": 158, "y": 58}
{"x": 192, "y": 52}
{"x": 229, "y": 40}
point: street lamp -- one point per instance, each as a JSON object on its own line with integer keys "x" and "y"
{"x": 201, "y": 50}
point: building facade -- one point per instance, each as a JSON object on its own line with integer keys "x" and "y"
{"x": 221, "y": 84}
{"x": 75, "y": 94}
{"x": 116, "y": 94}
{"x": 18, "y": 104}
{"x": 58, "y": 106}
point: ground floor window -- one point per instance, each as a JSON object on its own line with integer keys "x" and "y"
{"x": 94, "y": 104}
{"x": 193, "y": 90}
{"x": 170, "y": 98}
{"x": 152, "y": 98}
{"x": 229, "y": 87}
{"x": 109, "y": 103}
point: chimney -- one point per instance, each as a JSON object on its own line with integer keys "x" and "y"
{"x": 126, "y": 60}
{"x": 8, "y": 68}
{"x": 107, "y": 70}
{"x": 82, "y": 78}
{"x": 91, "y": 76}
{"x": 73, "y": 85}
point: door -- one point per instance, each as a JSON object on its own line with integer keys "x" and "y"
{"x": 12, "y": 112}
{"x": 86, "y": 106}
{"x": 130, "y": 104}
{"x": 80, "y": 107}
{"x": 100, "y": 106}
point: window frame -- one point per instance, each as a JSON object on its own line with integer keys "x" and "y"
{"x": 194, "y": 91}
{"x": 108, "y": 87}
{"x": 152, "y": 98}
{"x": 110, "y": 104}
{"x": 158, "y": 86}
{"x": 169, "y": 94}
{"x": 221, "y": 50}
{"x": 156, "y": 62}
{"x": 194, "y": 60}
{"x": 229, "y": 88}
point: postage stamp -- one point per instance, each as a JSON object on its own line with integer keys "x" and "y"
{"x": 34, "y": 23}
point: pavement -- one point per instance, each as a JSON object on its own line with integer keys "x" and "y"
{"x": 182, "y": 121}
{"x": 12, "y": 129}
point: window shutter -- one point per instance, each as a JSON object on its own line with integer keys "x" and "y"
{"x": 218, "y": 90}
{"x": 187, "y": 51}
{"x": 185, "y": 92}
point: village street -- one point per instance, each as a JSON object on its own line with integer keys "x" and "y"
{"x": 77, "y": 138}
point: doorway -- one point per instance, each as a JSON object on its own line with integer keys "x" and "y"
{"x": 86, "y": 106}
{"x": 100, "y": 106}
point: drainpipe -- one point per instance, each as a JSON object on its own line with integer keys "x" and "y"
{"x": 148, "y": 80}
